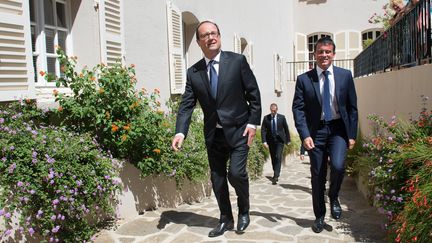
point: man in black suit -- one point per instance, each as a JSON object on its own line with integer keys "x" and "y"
{"x": 224, "y": 85}
{"x": 274, "y": 135}
{"x": 325, "y": 115}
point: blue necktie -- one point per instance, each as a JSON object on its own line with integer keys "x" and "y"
{"x": 213, "y": 78}
{"x": 326, "y": 98}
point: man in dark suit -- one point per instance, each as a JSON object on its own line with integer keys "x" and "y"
{"x": 224, "y": 85}
{"x": 325, "y": 114}
{"x": 274, "y": 135}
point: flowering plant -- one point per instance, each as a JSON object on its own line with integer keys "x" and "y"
{"x": 385, "y": 18}
{"x": 57, "y": 183}
{"x": 400, "y": 163}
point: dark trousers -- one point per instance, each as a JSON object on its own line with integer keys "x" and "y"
{"x": 330, "y": 143}
{"x": 218, "y": 154}
{"x": 276, "y": 153}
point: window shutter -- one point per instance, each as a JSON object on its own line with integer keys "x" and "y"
{"x": 237, "y": 44}
{"x": 16, "y": 67}
{"x": 111, "y": 31}
{"x": 301, "y": 55}
{"x": 175, "y": 43}
{"x": 341, "y": 46}
{"x": 354, "y": 44}
{"x": 277, "y": 73}
{"x": 250, "y": 56}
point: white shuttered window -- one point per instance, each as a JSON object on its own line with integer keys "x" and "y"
{"x": 16, "y": 77}
{"x": 111, "y": 31}
{"x": 175, "y": 49}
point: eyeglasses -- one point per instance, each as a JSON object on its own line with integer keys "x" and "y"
{"x": 207, "y": 35}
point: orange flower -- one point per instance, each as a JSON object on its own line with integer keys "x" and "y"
{"x": 126, "y": 127}
{"x": 42, "y": 73}
{"x": 124, "y": 137}
{"x": 101, "y": 91}
{"x": 414, "y": 238}
{"x": 93, "y": 78}
{"x": 156, "y": 151}
{"x": 62, "y": 68}
{"x": 55, "y": 92}
{"x": 114, "y": 128}
{"x": 81, "y": 75}
{"x": 429, "y": 140}
{"x": 132, "y": 65}
{"x": 157, "y": 91}
{"x": 28, "y": 101}
{"x": 60, "y": 108}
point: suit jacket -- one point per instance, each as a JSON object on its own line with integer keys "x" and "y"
{"x": 281, "y": 128}
{"x": 237, "y": 104}
{"x": 307, "y": 106}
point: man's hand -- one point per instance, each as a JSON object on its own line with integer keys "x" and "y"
{"x": 251, "y": 134}
{"x": 265, "y": 145}
{"x": 308, "y": 143}
{"x": 177, "y": 142}
{"x": 351, "y": 143}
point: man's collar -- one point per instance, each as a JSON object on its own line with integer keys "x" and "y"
{"x": 217, "y": 58}
{"x": 320, "y": 70}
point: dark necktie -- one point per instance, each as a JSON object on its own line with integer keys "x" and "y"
{"x": 273, "y": 126}
{"x": 213, "y": 78}
{"x": 326, "y": 98}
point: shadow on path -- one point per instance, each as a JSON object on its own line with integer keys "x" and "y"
{"x": 274, "y": 217}
{"x": 296, "y": 187}
{"x": 187, "y": 218}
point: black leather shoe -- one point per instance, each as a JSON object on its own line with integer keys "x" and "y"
{"x": 335, "y": 208}
{"x": 318, "y": 225}
{"x": 243, "y": 222}
{"x": 221, "y": 228}
{"x": 275, "y": 180}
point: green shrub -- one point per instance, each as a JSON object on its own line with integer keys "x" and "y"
{"x": 127, "y": 123}
{"x": 256, "y": 157}
{"x": 57, "y": 181}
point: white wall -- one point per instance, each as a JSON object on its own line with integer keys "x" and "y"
{"x": 393, "y": 93}
{"x": 335, "y": 15}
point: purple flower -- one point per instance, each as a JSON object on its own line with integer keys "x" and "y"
{"x": 12, "y": 168}
{"x": 399, "y": 199}
{"x": 4, "y": 159}
{"x": 20, "y": 184}
{"x": 31, "y": 231}
{"x": 55, "y": 201}
{"x": 8, "y": 232}
{"x": 55, "y": 229}
{"x": 79, "y": 183}
{"x": 7, "y": 215}
{"x": 2, "y": 212}
{"x": 2, "y": 120}
{"x": 12, "y": 148}
{"x": 34, "y": 154}
{"x": 39, "y": 213}
{"x": 53, "y": 217}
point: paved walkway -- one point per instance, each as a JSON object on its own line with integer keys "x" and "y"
{"x": 279, "y": 213}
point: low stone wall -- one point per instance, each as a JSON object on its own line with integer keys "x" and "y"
{"x": 142, "y": 194}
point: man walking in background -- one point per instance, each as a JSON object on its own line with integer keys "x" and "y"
{"x": 274, "y": 135}
{"x": 224, "y": 85}
{"x": 325, "y": 115}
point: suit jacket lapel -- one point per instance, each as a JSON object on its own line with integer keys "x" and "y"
{"x": 204, "y": 75}
{"x": 316, "y": 85}
{"x": 337, "y": 83}
{"x": 223, "y": 64}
